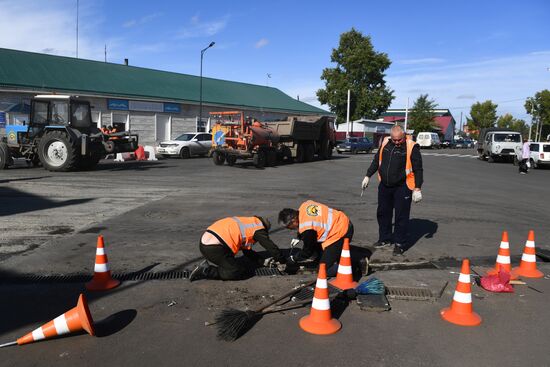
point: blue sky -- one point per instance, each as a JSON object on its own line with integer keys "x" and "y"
{"x": 459, "y": 52}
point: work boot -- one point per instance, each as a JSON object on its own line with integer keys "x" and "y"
{"x": 381, "y": 244}
{"x": 200, "y": 271}
{"x": 398, "y": 249}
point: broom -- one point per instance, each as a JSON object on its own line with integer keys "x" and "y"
{"x": 371, "y": 286}
{"x": 233, "y": 323}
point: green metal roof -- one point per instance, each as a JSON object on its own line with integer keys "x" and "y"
{"x": 41, "y": 72}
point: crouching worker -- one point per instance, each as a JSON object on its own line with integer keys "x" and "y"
{"x": 223, "y": 240}
{"x": 321, "y": 229}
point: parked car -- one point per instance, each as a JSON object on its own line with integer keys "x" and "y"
{"x": 354, "y": 146}
{"x": 186, "y": 145}
{"x": 540, "y": 154}
{"x": 428, "y": 140}
{"x": 448, "y": 144}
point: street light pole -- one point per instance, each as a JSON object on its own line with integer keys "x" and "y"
{"x": 200, "y": 93}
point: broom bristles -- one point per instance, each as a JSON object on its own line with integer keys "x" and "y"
{"x": 371, "y": 286}
{"x": 232, "y": 323}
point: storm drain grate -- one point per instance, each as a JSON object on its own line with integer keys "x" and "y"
{"x": 307, "y": 293}
{"x": 544, "y": 254}
{"x": 410, "y": 293}
{"x": 83, "y": 278}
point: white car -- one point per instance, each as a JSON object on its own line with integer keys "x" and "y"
{"x": 186, "y": 145}
{"x": 540, "y": 154}
{"x": 428, "y": 140}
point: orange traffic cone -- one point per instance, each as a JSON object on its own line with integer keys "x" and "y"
{"x": 461, "y": 312}
{"x": 528, "y": 265}
{"x": 77, "y": 319}
{"x": 320, "y": 321}
{"x": 102, "y": 279}
{"x": 344, "y": 277}
{"x": 503, "y": 262}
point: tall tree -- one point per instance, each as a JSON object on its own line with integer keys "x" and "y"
{"x": 360, "y": 68}
{"x": 509, "y": 122}
{"x": 482, "y": 115}
{"x": 539, "y": 109}
{"x": 421, "y": 116}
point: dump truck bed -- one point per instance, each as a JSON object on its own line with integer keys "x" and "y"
{"x": 300, "y": 127}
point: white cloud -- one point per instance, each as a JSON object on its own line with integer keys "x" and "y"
{"x": 505, "y": 80}
{"x": 262, "y": 43}
{"x": 423, "y": 61}
{"x": 145, "y": 19}
{"x": 197, "y": 28}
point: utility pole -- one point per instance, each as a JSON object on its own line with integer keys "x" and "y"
{"x": 406, "y": 116}
{"x": 77, "y": 5}
{"x": 200, "y": 92}
{"x": 105, "y": 52}
{"x": 347, "y": 118}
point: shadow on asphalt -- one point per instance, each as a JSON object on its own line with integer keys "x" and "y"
{"x": 26, "y": 202}
{"x": 23, "y": 179}
{"x": 114, "y": 323}
{"x": 130, "y": 166}
{"x": 420, "y": 228}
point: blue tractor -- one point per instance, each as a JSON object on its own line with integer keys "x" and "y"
{"x": 60, "y": 136}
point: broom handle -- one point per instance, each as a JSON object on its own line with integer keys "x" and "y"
{"x": 286, "y": 295}
{"x": 292, "y": 306}
{"x": 7, "y": 344}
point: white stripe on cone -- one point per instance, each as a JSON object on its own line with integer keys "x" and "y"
{"x": 345, "y": 253}
{"x": 320, "y": 304}
{"x": 504, "y": 245}
{"x": 464, "y": 278}
{"x": 530, "y": 258}
{"x": 100, "y": 251}
{"x": 344, "y": 269}
{"x": 61, "y": 325}
{"x": 321, "y": 283}
{"x": 462, "y": 297}
{"x": 530, "y": 244}
{"x": 38, "y": 334}
{"x": 101, "y": 268}
{"x": 503, "y": 259}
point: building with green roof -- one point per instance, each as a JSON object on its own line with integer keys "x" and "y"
{"x": 158, "y": 105}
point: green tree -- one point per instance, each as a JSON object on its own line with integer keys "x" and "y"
{"x": 482, "y": 115}
{"x": 509, "y": 122}
{"x": 360, "y": 68}
{"x": 539, "y": 109}
{"x": 421, "y": 117}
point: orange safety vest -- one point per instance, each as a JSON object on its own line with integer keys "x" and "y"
{"x": 330, "y": 224}
{"x": 408, "y": 165}
{"x": 237, "y": 232}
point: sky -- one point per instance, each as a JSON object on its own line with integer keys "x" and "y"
{"x": 459, "y": 52}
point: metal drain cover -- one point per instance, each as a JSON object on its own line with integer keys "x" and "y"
{"x": 410, "y": 293}
{"x": 307, "y": 293}
{"x": 267, "y": 272}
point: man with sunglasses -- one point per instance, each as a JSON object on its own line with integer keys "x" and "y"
{"x": 399, "y": 166}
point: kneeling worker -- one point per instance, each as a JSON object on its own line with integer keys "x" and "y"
{"x": 321, "y": 229}
{"x": 225, "y": 238}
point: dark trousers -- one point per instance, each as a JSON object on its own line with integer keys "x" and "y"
{"x": 392, "y": 199}
{"x": 227, "y": 267}
{"x": 331, "y": 254}
{"x": 523, "y": 166}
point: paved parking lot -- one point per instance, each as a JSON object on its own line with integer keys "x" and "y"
{"x": 152, "y": 214}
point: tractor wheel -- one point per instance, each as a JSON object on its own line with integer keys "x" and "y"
{"x": 271, "y": 158}
{"x": 218, "y": 158}
{"x": 259, "y": 159}
{"x": 286, "y": 155}
{"x": 231, "y": 160}
{"x": 301, "y": 153}
{"x": 57, "y": 152}
{"x": 326, "y": 149}
{"x": 184, "y": 153}
{"x": 309, "y": 152}
{"x": 4, "y": 155}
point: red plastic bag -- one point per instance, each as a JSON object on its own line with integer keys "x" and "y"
{"x": 497, "y": 283}
{"x": 140, "y": 154}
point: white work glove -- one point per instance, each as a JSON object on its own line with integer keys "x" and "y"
{"x": 365, "y": 183}
{"x": 269, "y": 262}
{"x": 294, "y": 242}
{"x": 417, "y": 196}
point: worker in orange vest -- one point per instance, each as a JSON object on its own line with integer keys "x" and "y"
{"x": 321, "y": 229}
{"x": 225, "y": 238}
{"x": 399, "y": 166}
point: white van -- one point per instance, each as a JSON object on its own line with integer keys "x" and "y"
{"x": 428, "y": 140}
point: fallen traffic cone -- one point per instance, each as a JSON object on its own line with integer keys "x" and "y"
{"x": 320, "y": 321}
{"x": 344, "y": 277}
{"x": 74, "y": 320}
{"x": 503, "y": 262}
{"x": 461, "y": 312}
{"x": 102, "y": 279}
{"x": 528, "y": 265}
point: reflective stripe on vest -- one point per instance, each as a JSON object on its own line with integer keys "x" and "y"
{"x": 326, "y": 226}
{"x": 243, "y": 227}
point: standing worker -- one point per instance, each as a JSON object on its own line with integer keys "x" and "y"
{"x": 399, "y": 166}
{"x": 321, "y": 229}
{"x": 525, "y": 157}
{"x": 225, "y": 238}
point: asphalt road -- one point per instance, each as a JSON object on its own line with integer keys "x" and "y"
{"x": 153, "y": 213}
